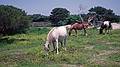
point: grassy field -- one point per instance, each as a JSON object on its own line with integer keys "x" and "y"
{"x": 94, "y": 50}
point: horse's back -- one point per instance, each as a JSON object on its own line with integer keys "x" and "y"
{"x": 59, "y": 31}
{"x": 107, "y": 23}
{"x": 62, "y": 30}
{"x": 77, "y": 25}
{"x": 80, "y": 25}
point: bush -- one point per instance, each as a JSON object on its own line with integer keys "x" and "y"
{"x": 13, "y": 20}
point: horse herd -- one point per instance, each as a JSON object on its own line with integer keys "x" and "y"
{"x": 59, "y": 34}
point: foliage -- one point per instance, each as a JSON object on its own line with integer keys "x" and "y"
{"x": 105, "y": 14}
{"x": 58, "y": 14}
{"x": 39, "y": 17}
{"x": 69, "y": 20}
{"x": 13, "y": 20}
{"x": 72, "y": 18}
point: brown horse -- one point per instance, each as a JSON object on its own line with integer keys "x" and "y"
{"x": 82, "y": 25}
{"x": 79, "y": 26}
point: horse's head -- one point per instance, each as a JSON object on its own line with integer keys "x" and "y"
{"x": 46, "y": 46}
{"x": 90, "y": 24}
{"x": 90, "y": 20}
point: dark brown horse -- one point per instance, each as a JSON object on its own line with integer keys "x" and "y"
{"x": 79, "y": 26}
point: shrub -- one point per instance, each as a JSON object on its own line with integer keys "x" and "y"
{"x": 13, "y": 20}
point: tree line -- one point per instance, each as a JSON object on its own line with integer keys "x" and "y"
{"x": 14, "y": 20}
{"x": 61, "y": 16}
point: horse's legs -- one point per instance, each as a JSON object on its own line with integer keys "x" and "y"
{"x": 54, "y": 46}
{"x": 75, "y": 31}
{"x": 70, "y": 32}
{"x": 109, "y": 30}
{"x": 61, "y": 44}
{"x": 57, "y": 46}
{"x": 65, "y": 42}
{"x": 49, "y": 46}
{"x": 85, "y": 32}
{"x": 100, "y": 31}
{"x": 106, "y": 30}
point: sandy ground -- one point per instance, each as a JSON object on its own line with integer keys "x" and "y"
{"x": 115, "y": 26}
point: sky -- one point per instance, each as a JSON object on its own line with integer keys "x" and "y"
{"x": 44, "y": 7}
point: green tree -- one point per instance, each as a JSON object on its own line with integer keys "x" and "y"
{"x": 72, "y": 18}
{"x": 105, "y": 14}
{"x": 58, "y": 15}
{"x": 13, "y": 20}
{"x": 39, "y": 17}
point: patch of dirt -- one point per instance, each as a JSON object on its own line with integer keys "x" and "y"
{"x": 70, "y": 65}
{"x": 115, "y": 26}
{"x": 89, "y": 47}
{"x": 107, "y": 52}
{"x": 100, "y": 42}
{"x": 104, "y": 42}
{"x": 100, "y": 62}
{"x": 107, "y": 63}
{"x": 101, "y": 57}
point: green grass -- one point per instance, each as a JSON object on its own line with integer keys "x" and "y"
{"x": 94, "y": 50}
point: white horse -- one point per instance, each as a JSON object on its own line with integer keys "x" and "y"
{"x": 56, "y": 35}
{"x": 106, "y": 25}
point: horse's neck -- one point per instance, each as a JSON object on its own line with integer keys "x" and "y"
{"x": 90, "y": 19}
{"x": 84, "y": 23}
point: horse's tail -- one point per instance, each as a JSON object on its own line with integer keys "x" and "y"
{"x": 51, "y": 30}
{"x": 49, "y": 34}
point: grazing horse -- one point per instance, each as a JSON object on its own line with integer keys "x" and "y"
{"x": 56, "y": 35}
{"x": 79, "y": 26}
{"x": 106, "y": 25}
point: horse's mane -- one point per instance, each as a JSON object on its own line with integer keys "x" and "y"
{"x": 49, "y": 34}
